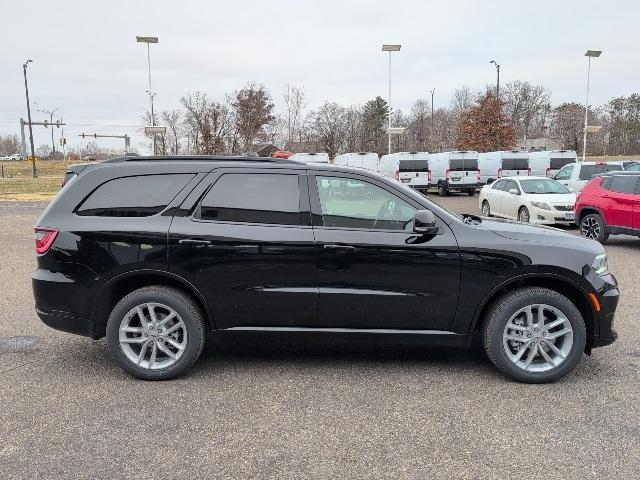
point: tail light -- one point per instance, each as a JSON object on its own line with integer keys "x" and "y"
{"x": 499, "y": 172}
{"x": 547, "y": 172}
{"x": 446, "y": 175}
{"x": 478, "y": 175}
{"x": 397, "y": 175}
{"x": 429, "y": 175}
{"x": 529, "y": 171}
{"x": 44, "y": 239}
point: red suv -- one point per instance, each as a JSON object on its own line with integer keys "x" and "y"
{"x": 609, "y": 204}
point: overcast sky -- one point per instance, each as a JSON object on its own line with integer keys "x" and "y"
{"x": 88, "y": 65}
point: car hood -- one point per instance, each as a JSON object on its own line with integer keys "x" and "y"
{"x": 539, "y": 233}
{"x": 552, "y": 197}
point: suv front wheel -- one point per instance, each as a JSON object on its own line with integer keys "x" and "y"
{"x": 592, "y": 226}
{"x": 155, "y": 333}
{"x": 534, "y": 335}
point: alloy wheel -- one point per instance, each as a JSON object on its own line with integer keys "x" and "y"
{"x": 486, "y": 209}
{"x": 523, "y": 215}
{"x": 152, "y": 336}
{"x": 590, "y": 228}
{"x": 537, "y": 338}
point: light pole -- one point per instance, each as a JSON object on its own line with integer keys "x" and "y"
{"x": 149, "y": 41}
{"x": 589, "y": 54}
{"x": 498, "y": 82}
{"x": 26, "y": 89}
{"x": 433, "y": 133}
{"x": 390, "y": 48}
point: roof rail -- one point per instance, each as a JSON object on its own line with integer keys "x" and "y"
{"x": 198, "y": 158}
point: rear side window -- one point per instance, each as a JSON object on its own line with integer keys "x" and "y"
{"x": 413, "y": 165}
{"x": 624, "y": 184}
{"x": 588, "y": 171}
{"x": 140, "y": 196}
{"x": 558, "y": 163}
{"x": 253, "y": 198}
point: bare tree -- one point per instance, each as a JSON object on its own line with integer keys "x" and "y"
{"x": 253, "y": 110}
{"x": 9, "y": 144}
{"x": 294, "y": 100}
{"x": 524, "y": 103}
{"x": 211, "y": 119}
{"x": 462, "y": 100}
{"x": 352, "y": 125}
{"x": 172, "y": 119}
{"x": 329, "y": 126}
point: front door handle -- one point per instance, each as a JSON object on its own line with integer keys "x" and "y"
{"x": 339, "y": 248}
{"x": 194, "y": 241}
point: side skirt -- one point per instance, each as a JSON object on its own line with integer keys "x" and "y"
{"x": 360, "y": 335}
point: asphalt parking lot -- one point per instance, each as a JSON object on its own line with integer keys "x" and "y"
{"x": 272, "y": 410}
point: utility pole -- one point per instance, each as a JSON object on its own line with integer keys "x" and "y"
{"x": 149, "y": 41}
{"x": 26, "y": 89}
{"x": 50, "y": 113}
{"x": 433, "y": 132}
{"x": 498, "y": 82}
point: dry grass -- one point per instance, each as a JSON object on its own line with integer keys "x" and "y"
{"x": 17, "y": 183}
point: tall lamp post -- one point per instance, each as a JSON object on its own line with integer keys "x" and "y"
{"x": 498, "y": 82}
{"x": 390, "y": 48}
{"x": 26, "y": 90}
{"x": 50, "y": 113}
{"x": 433, "y": 91}
{"x": 149, "y": 41}
{"x": 589, "y": 54}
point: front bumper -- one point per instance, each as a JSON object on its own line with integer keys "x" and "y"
{"x": 550, "y": 217}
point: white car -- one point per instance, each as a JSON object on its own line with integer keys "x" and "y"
{"x": 539, "y": 200}
{"x": 575, "y": 176}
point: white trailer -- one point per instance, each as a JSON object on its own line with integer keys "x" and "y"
{"x": 310, "y": 157}
{"x": 410, "y": 168}
{"x": 364, "y": 160}
{"x": 454, "y": 171}
{"x": 548, "y": 162}
{"x": 508, "y": 163}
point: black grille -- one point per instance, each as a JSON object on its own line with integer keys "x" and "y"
{"x": 564, "y": 208}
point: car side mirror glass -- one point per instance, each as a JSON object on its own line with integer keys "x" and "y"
{"x": 424, "y": 223}
{"x": 514, "y": 191}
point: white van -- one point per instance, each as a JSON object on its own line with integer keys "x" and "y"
{"x": 548, "y": 162}
{"x": 364, "y": 160}
{"x": 509, "y": 163}
{"x": 411, "y": 168}
{"x": 311, "y": 157}
{"x": 454, "y": 171}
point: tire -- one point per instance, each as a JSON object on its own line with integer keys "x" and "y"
{"x": 497, "y": 347}
{"x": 486, "y": 208}
{"x": 442, "y": 190}
{"x": 592, "y": 226}
{"x": 523, "y": 215}
{"x": 471, "y": 193}
{"x": 188, "y": 332}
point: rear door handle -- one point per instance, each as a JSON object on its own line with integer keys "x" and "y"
{"x": 194, "y": 241}
{"x": 339, "y": 248}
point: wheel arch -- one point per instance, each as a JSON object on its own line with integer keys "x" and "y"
{"x": 119, "y": 286}
{"x": 577, "y": 294}
{"x": 587, "y": 210}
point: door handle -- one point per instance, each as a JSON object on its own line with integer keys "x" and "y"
{"x": 194, "y": 241}
{"x": 339, "y": 248}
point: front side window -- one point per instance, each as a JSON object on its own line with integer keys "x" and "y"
{"x": 499, "y": 185}
{"x": 588, "y": 171}
{"x": 624, "y": 183}
{"x": 542, "y": 186}
{"x": 565, "y": 173}
{"x": 140, "y": 196}
{"x": 350, "y": 203}
{"x": 253, "y": 198}
{"x": 511, "y": 185}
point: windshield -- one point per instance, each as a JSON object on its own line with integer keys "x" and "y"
{"x": 542, "y": 185}
{"x": 588, "y": 171}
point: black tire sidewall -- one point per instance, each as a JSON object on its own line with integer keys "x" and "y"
{"x": 488, "y": 208}
{"x": 528, "y": 215}
{"x": 602, "y": 237}
{"x": 511, "y": 303}
{"x": 187, "y": 310}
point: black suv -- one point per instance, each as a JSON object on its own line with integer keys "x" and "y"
{"x": 156, "y": 254}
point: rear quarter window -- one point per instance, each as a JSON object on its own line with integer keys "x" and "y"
{"x": 138, "y": 196}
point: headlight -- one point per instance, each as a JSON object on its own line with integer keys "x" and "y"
{"x": 600, "y": 264}
{"x": 541, "y": 205}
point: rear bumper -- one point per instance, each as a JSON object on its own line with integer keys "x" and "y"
{"x": 63, "y": 298}
{"x": 461, "y": 186}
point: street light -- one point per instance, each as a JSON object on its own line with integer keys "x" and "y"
{"x": 50, "y": 113}
{"x": 498, "y": 82}
{"x": 433, "y": 91}
{"x": 26, "y": 90}
{"x": 149, "y": 41}
{"x": 390, "y": 48}
{"x": 589, "y": 54}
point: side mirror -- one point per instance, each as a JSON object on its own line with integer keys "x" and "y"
{"x": 514, "y": 191}
{"x": 424, "y": 223}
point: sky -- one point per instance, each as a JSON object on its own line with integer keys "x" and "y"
{"x": 87, "y": 64}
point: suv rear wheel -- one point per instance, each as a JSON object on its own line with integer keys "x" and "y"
{"x": 592, "y": 226}
{"x": 534, "y": 335}
{"x": 155, "y": 333}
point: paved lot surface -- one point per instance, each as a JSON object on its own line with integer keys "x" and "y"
{"x": 287, "y": 411}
